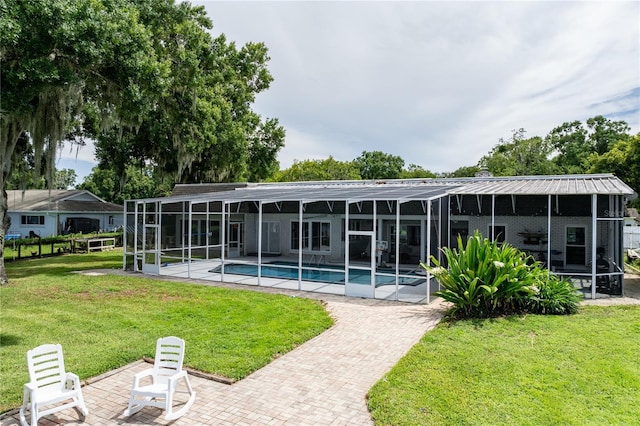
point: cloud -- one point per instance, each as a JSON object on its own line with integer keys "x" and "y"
{"x": 437, "y": 83}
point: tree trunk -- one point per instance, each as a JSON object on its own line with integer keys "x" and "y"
{"x": 8, "y": 139}
{"x": 4, "y": 217}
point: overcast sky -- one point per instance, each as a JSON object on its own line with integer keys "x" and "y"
{"x": 436, "y": 83}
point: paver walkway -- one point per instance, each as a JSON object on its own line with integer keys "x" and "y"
{"x": 322, "y": 382}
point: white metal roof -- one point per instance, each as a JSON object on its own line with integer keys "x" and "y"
{"x": 413, "y": 189}
{"x": 545, "y": 185}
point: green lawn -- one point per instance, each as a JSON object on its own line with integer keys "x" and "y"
{"x": 104, "y": 322}
{"x": 582, "y": 369}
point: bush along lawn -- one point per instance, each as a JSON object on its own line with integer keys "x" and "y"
{"x": 106, "y": 321}
{"x": 485, "y": 279}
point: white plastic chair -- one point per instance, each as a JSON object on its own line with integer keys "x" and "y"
{"x": 49, "y": 384}
{"x": 165, "y": 377}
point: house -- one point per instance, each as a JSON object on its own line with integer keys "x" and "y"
{"x": 45, "y": 213}
{"x": 632, "y": 217}
{"x": 367, "y": 238}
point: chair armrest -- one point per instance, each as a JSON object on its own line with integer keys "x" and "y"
{"x": 138, "y": 376}
{"x": 31, "y": 387}
{"x": 73, "y": 378}
{"x": 173, "y": 380}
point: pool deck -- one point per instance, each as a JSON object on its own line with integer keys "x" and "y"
{"x": 202, "y": 270}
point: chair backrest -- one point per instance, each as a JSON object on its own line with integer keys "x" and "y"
{"x": 46, "y": 366}
{"x": 169, "y": 357}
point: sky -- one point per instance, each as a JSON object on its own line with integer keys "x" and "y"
{"x": 436, "y": 83}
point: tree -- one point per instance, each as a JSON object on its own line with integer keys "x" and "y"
{"x": 57, "y": 56}
{"x": 139, "y": 183}
{"x": 623, "y": 160}
{"x": 203, "y": 129}
{"x": 574, "y": 144}
{"x": 519, "y": 156}
{"x": 318, "y": 170}
{"x": 144, "y": 78}
{"x": 64, "y": 179}
{"x": 414, "y": 172}
{"x": 464, "y": 171}
{"x": 378, "y": 165}
{"x": 24, "y": 175}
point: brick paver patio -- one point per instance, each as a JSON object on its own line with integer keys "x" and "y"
{"x": 322, "y": 382}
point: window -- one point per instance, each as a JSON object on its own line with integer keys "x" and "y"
{"x": 316, "y": 235}
{"x": 110, "y": 220}
{"x": 32, "y": 220}
{"x": 576, "y": 245}
{"x": 461, "y": 228}
{"x": 499, "y": 233}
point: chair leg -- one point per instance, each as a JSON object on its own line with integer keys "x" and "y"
{"x": 171, "y": 415}
{"x": 82, "y": 406}
{"x": 27, "y": 405}
{"x": 133, "y": 406}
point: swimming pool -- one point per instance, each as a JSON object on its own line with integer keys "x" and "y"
{"x": 324, "y": 273}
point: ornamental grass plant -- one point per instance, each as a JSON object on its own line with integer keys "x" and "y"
{"x": 484, "y": 278}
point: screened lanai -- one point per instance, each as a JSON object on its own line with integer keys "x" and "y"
{"x": 367, "y": 239}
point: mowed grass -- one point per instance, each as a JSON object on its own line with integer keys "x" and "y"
{"x": 581, "y": 369}
{"x": 104, "y": 322}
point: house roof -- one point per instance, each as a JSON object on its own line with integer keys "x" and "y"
{"x": 326, "y": 191}
{"x": 406, "y": 190}
{"x": 67, "y": 201}
{"x": 203, "y": 188}
{"x": 546, "y": 185}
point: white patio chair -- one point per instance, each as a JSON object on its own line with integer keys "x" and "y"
{"x": 165, "y": 376}
{"x": 49, "y": 384}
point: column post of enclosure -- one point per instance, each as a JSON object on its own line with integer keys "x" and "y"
{"x": 259, "y": 241}
{"x": 428, "y": 250}
{"x": 189, "y": 239}
{"x": 300, "y": 206}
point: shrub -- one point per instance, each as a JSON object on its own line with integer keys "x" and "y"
{"x": 483, "y": 278}
{"x": 555, "y": 296}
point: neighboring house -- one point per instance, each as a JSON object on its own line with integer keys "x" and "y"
{"x": 632, "y": 217}
{"x": 58, "y": 212}
{"x": 367, "y": 238}
{"x": 632, "y": 229}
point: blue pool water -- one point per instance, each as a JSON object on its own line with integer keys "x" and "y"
{"x": 290, "y": 272}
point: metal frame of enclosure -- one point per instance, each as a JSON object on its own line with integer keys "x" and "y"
{"x": 367, "y": 238}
